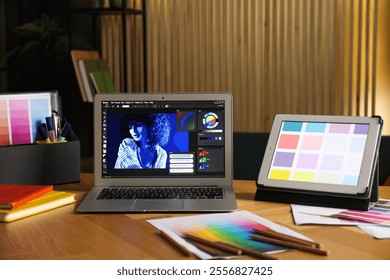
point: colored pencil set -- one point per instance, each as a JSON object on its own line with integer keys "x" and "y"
{"x": 266, "y": 236}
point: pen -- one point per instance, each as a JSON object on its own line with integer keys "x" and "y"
{"x": 285, "y": 237}
{"x": 290, "y": 245}
{"x": 182, "y": 249}
{"x": 57, "y": 124}
{"x": 217, "y": 245}
{"x": 64, "y": 132}
{"x": 42, "y": 130}
{"x": 50, "y": 128}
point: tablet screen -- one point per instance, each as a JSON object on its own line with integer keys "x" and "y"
{"x": 329, "y": 153}
{"x": 321, "y": 153}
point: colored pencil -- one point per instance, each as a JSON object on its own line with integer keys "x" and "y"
{"x": 290, "y": 245}
{"x": 179, "y": 246}
{"x": 217, "y": 245}
{"x": 251, "y": 253}
{"x": 288, "y": 238}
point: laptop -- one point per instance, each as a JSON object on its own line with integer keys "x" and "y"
{"x": 162, "y": 152}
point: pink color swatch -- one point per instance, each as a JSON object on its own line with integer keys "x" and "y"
{"x": 288, "y": 141}
{"x": 312, "y": 143}
{"x": 20, "y": 123}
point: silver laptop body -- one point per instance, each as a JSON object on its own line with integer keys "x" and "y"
{"x": 162, "y": 140}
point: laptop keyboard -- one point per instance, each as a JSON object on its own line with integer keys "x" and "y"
{"x": 161, "y": 193}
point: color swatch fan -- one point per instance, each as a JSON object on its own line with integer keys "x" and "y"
{"x": 20, "y": 116}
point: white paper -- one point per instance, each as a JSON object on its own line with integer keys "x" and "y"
{"x": 304, "y": 215}
{"x": 317, "y": 215}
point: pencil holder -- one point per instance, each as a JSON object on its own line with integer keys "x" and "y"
{"x": 41, "y": 164}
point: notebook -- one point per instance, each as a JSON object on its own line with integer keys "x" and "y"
{"x": 162, "y": 152}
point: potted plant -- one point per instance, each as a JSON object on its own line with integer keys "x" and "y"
{"x": 41, "y": 43}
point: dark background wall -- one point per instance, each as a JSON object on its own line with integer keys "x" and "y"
{"x": 49, "y": 65}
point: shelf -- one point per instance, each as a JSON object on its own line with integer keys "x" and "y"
{"x": 107, "y": 11}
{"x": 123, "y": 11}
{"x": 29, "y": 69}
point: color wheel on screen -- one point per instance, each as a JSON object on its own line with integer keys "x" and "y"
{"x": 210, "y": 120}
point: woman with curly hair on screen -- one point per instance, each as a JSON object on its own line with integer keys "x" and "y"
{"x": 144, "y": 135}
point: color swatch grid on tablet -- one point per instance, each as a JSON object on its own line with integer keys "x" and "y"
{"x": 329, "y": 153}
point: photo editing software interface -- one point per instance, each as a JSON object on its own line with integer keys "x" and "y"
{"x": 329, "y": 153}
{"x": 163, "y": 138}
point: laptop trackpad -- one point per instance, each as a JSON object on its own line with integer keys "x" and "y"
{"x": 158, "y": 205}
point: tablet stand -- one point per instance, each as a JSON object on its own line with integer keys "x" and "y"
{"x": 335, "y": 200}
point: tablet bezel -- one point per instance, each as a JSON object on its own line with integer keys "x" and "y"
{"x": 368, "y": 163}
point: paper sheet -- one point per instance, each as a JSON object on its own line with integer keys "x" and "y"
{"x": 233, "y": 228}
{"x": 322, "y": 215}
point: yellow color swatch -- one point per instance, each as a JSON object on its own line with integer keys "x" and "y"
{"x": 303, "y": 176}
{"x": 279, "y": 175}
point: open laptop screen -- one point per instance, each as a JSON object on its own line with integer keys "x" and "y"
{"x": 164, "y": 138}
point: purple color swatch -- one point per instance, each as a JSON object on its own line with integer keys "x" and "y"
{"x": 284, "y": 159}
{"x": 361, "y": 129}
{"x": 339, "y": 128}
{"x": 307, "y": 161}
{"x": 332, "y": 162}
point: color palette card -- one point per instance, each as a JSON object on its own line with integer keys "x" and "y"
{"x": 20, "y": 115}
{"x": 379, "y": 214}
{"x": 375, "y": 222}
{"x": 233, "y": 228}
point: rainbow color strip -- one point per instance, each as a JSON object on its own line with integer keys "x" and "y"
{"x": 237, "y": 233}
{"x": 235, "y": 230}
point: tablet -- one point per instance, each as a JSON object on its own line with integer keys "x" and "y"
{"x": 333, "y": 154}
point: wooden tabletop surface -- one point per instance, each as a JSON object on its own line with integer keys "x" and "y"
{"x": 64, "y": 234}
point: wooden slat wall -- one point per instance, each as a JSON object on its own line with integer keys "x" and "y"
{"x": 111, "y": 43}
{"x": 275, "y": 56}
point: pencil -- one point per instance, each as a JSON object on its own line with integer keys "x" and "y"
{"x": 217, "y": 245}
{"x": 182, "y": 249}
{"x": 288, "y": 238}
{"x": 290, "y": 245}
{"x": 252, "y": 253}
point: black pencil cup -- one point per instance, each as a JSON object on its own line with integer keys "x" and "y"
{"x": 41, "y": 164}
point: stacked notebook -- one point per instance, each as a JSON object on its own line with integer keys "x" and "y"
{"x": 19, "y": 201}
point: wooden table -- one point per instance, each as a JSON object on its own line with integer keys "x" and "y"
{"x": 63, "y": 234}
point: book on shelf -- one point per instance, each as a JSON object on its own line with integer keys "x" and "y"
{"x": 13, "y": 195}
{"x": 88, "y": 66}
{"x": 102, "y": 81}
{"x": 51, "y": 200}
{"x": 76, "y": 56}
